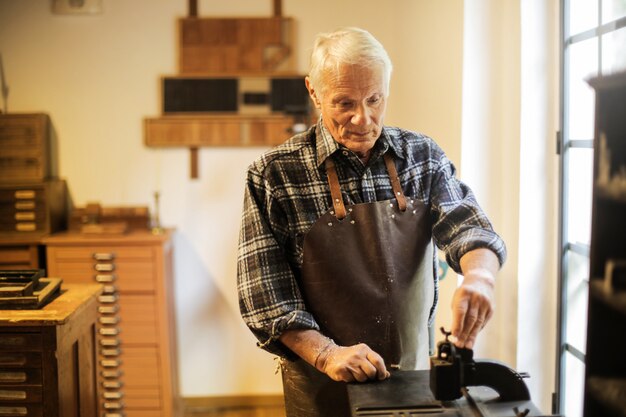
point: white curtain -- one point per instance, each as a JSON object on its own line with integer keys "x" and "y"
{"x": 510, "y": 103}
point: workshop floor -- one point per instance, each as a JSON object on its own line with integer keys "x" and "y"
{"x": 236, "y": 406}
{"x": 258, "y": 411}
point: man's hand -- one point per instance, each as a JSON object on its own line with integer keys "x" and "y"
{"x": 341, "y": 363}
{"x": 473, "y": 301}
{"x": 352, "y": 363}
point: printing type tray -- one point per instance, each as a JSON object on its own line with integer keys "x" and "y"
{"x": 23, "y": 290}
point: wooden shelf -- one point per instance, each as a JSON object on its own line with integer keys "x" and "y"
{"x": 605, "y": 363}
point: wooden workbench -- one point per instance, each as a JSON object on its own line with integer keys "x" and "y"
{"x": 47, "y": 356}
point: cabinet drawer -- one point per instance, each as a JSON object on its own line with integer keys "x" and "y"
{"x": 16, "y": 377}
{"x": 18, "y": 395}
{"x": 20, "y": 359}
{"x": 128, "y": 277}
{"x": 21, "y": 410}
{"x": 129, "y": 412}
{"x": 20, "y": 342}
{"x": 137, "y": 319}
{"x": 142, "y": 379}
{"x": 86, "y": 253}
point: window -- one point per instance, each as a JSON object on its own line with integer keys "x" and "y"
{"x": 593, "y": 44}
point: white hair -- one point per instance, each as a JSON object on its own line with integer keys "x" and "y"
{"x": 347, "y": 46}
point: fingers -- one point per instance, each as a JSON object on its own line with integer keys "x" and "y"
{"x": 355, "y": 363}
{"x": 472, "y": 309}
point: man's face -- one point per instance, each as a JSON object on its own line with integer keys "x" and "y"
{"x": 353, "y": 105}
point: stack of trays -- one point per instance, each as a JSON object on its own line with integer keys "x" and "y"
{"x": 26, "y": 289}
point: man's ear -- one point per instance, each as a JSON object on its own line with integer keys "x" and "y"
{"x": 312, "y": 93}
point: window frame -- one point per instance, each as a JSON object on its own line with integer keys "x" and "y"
{"x": 564, "y": 146}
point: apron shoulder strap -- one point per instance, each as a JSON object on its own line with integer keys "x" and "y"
{"x": 395, "y": 182}
{"x": 335, "y": 188}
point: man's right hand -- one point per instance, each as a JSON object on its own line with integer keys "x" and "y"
{"x": 352, "y": 363}
{"x": 341, "y": 363}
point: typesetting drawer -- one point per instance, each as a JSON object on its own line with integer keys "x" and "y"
{"x": 20, "y": 342}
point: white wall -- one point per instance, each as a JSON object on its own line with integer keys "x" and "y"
{"x": 98, "y": 77}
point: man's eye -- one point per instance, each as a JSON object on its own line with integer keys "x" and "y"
{"x": 374, "y": 100}
{"x": 345, "y": 104}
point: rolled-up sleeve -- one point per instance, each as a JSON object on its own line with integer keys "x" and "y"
{"x": 269, "y": 298}
{"x": 459, "y": 223}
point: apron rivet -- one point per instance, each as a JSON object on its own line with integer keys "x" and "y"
{"x": 330, "y": 224}
{"x": 351, "y": 221}
{"x": 412, "y": 201}
{"x": 414, "y": 211}
{"x": 393, "y": 216}
{"x": 336, "y": 200}
{"x": 390, "y": 204}
{"x": 398, "y": 193}
{"x": 332, "y": 212}
{"x": 350, "y": 210}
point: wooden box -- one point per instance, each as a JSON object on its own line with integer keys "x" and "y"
{"x": 227, "y": 45}
{"x": 47, "y": 364}
{"x": 25, "y": 151}
{"x": 33, "y": 209}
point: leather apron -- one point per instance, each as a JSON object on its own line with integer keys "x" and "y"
{"x": 367, "y": 277}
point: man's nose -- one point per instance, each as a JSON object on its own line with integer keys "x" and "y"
{"x": 361, "y": 116}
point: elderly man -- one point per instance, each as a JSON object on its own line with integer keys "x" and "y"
{"x": 336, "y": 268}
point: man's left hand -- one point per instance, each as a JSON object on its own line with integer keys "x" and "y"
{"x": 473, "y": 300}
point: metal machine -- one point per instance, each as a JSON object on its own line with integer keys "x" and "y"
{"x": 456, "y": 385}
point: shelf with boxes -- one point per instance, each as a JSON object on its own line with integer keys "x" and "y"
{"x": 33, "y": 201}
{"x": 236, "y": 85}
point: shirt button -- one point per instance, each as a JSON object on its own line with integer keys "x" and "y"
{"x": 345, "y": 153}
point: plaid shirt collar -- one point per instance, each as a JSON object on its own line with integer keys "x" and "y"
{"x": 326, "y": 145}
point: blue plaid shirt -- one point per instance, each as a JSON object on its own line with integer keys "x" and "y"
{"x": 287, "y": 191}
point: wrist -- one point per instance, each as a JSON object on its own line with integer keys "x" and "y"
{"x": 322, "y": 355}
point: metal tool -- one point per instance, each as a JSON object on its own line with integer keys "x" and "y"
{"x": 455, "y": 368}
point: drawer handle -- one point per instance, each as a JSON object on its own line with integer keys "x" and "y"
{"x": 109, "y": 342}
{"x": 109, "y": 331}
{"x": 112, "y": 384}
{"x": 111, "y": 373}
{"x": 104, "y": 267}
{"x": 111, "y": 353}
{"x": 105, "y": 278}
{"x": 110, "y": 363}
{"x": 109, "y": 319}
{"x": 112, "y": 309}
{"x": 25, "y": 194}
{"x": 25, "y": 205}
{"x": 109, "y": 289}
{"x": 25, "y": 216}
{"x": 113, "y": 395}
{"x": 12, "y": 359}
{"x": 13, "y": 377}
{"x": 107, "y": 299}
{"x": 7, "y": 395}
{"x": 104, "y": 256}
{"x": 13, "y": 411}
{"x": 112, "y": 406}
{"x": 26, "y": 227}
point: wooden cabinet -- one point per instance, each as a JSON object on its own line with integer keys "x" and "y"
{"x": 605, "y": 379}
{"x": 47, "y": 356}
{"x": 21, "y": 253}
{"x": 136, "y": 333}
{"x": 25, "y": 151}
